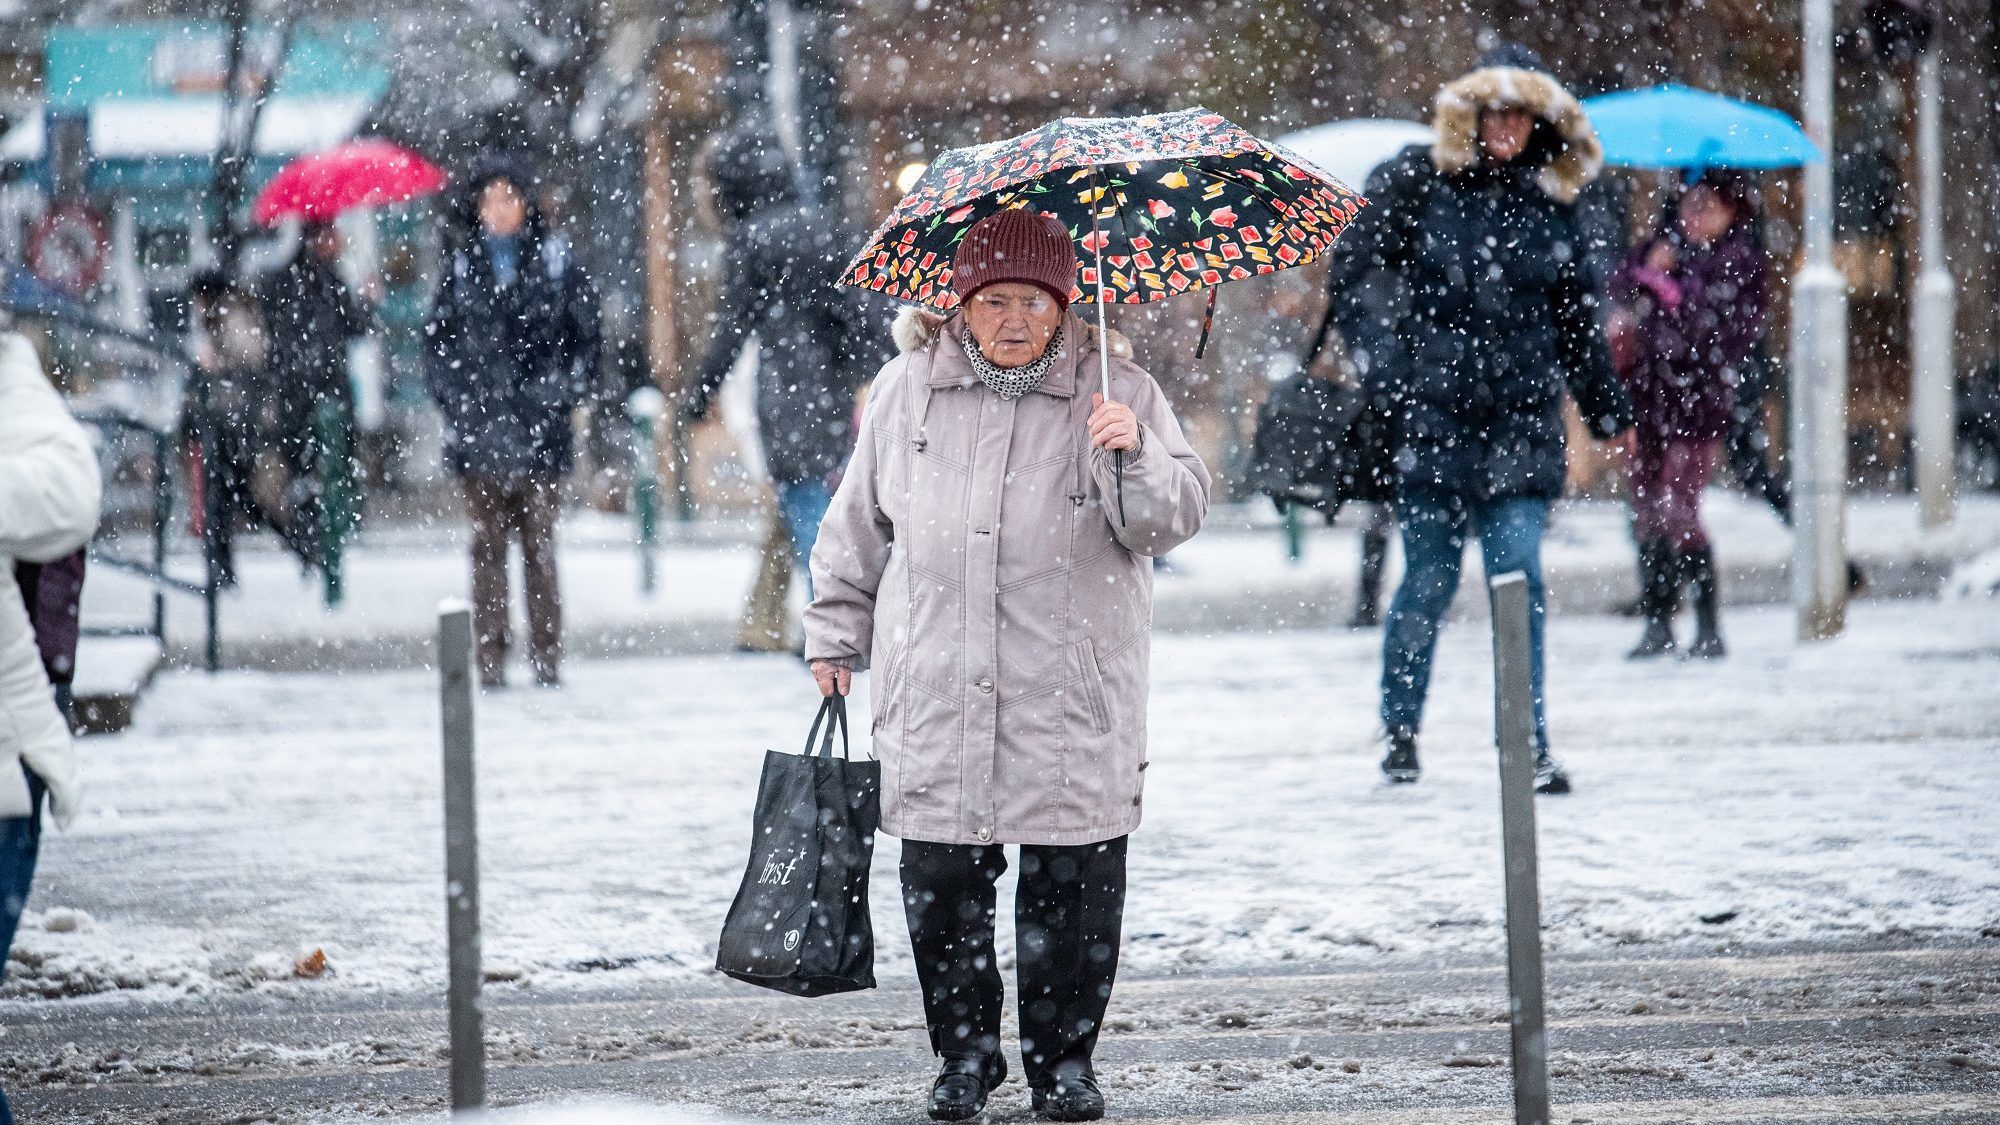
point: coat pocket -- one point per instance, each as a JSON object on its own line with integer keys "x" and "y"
{"x": 894, "y": 683}
{"x": 1093, "y": 687}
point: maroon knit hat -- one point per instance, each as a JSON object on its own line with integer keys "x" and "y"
{"x": 1016, "y": 245}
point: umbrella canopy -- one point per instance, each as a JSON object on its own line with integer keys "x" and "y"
{"x": 1352, "y": 150}
{"x": 1169, "y": 203}
{"x": 1679, "y": 127}
{"x": 364, "y": 173}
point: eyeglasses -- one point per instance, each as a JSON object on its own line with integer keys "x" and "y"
{"x": 1030, "y": 306}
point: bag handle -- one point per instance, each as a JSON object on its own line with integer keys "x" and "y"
{"x": 835, "y": 705}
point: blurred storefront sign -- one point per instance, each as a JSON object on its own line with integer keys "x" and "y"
{"x": 122, "y": 156}
{"x": 68, "y": 247}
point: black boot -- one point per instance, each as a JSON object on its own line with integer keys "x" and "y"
{"x": 1659, "y": 593}
{"x": 1400, "y": 763}
{"x": 1374, "y": 561}
{"x": 959, "y": 1094}
{"x": 1073, "y": 1096}
{"x": 1700, "y": 565}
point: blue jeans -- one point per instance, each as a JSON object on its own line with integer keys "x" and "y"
{"x": 20, "y": 842}
{"x": 804, "y": 504}
{"x": 1434, "y": 531}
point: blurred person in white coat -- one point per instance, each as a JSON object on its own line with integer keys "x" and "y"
{"x": 49, "y": 494}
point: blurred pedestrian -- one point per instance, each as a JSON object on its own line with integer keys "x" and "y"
{"x": 514, "y": 341}
{"x": 780, "y": 267}
{"x": 1481, "y": 228}
{"x": 1695, "y": 296}
{"x": 1380, "y": 301}
{"x": 975, "y": 556}
{"x": 228, "y": 400}
{"x": 311, "y": 315}
{"x": 49, "y": 495}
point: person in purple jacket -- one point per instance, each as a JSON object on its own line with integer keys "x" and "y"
{"x": 1694, "y": 299}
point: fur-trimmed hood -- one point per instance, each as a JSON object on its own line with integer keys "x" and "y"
{"x": 917, "y": 327}
{"x": 1456, "y": 122}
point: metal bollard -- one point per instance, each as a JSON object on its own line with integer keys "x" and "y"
{"x": 461, "y": 859}
{"x": 1514, "y": 727}
{"x": 647, "y": 406}
{"x": 336, "y": 499}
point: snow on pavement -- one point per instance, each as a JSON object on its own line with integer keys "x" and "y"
{"x": 1828, "y": 792}
{"x": 1236, "y": 567}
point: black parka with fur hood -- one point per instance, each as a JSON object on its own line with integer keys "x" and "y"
{"x": 1497, "y": 315}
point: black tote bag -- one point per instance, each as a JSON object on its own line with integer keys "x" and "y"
{"x": 800, "y": 920}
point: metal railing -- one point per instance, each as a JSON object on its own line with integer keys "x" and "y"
{"x": 152, "y": 567}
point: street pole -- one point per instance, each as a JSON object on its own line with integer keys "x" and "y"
{"x": 466, "y": 1017}
{"x": 1514, "y": 732}
{"x": 1933, "y": 314}
{"x": 1818, "y": 406}
{"x": 647, "y": 406}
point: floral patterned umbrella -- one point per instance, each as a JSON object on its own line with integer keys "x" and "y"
{"x": 1158, "y": 206}
{"x": 1167, "y": 203}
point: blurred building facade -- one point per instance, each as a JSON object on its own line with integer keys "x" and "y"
{"x": 619, "y": 100}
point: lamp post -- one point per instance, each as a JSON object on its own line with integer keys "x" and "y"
{"x": 1818, "y": 405}
{"x": 1933, "y": 320}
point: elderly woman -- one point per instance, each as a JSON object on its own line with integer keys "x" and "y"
{"x": 977, "y": 558}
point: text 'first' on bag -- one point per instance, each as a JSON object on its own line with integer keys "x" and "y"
{"x": 800, "y": 920}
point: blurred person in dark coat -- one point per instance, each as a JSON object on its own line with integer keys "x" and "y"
{"x": 1480, "y": 228}
{"x": 514, "y": 343}
{"x": 779, "y": 294}
{"x": 310, "y": 316}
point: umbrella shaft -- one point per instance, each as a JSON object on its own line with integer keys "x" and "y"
{"x": 1103, "y": 326}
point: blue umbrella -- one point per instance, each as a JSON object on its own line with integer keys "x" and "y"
{"x": 1679, "y": 127}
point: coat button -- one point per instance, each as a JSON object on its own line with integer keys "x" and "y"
{"x": 986, "y": 687}
{"x": 985, "y": 834}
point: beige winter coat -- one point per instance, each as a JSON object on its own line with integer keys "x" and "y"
{"x": 974, "y": 558}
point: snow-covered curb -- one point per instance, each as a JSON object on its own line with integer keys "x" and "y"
{"x": 1824, "y": 793}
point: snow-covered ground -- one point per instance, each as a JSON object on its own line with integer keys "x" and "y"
{"x": 1234, "y": 576}
{"x": 596, "y": 1113}
{"x": 1831, "y": 792}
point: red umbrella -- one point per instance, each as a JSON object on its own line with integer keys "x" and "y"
{"x": 363, "y": 173}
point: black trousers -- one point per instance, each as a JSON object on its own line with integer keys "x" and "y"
{"x": 1068, "y": 911}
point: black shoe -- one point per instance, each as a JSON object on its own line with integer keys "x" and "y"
{"x": 1399, "y": 765}
{"x": 1549, "y": 775}
{"x": 1367, "y": 615}
{"x": 1072, "y": 1097}
{"x": 959, "y": 1094}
